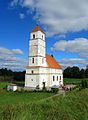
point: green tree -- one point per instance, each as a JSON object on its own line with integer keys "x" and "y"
{"x": 84, "y": 84}
{"x": 82, "y": 73}
{"x": 75, "y": 72}
{"x": 67, "y": 72}
{"x": 86, "y": 73}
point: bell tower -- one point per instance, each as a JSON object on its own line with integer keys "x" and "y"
{"x": 42, "y": 70}
{"x": 37, "y": 48}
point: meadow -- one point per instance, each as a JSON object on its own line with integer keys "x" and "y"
{"x": 73, "y": 80}
{"x": 36, "y": 106}
{"x": 10, "y": 97}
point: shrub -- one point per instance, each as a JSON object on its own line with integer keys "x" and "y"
{"x": 54, "y": 90}
{"x": 84, "y": 84}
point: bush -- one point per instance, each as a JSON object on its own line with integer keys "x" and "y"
{"x": 54, "y": 90}
{"x": 84, "y": 84}
{"x": 5, "y": 88}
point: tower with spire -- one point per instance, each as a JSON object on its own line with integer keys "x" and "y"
{"x": 42, "y": 70}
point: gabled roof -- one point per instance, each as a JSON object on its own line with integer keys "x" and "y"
{"x": 37, "y": 28}
{"x": 52, "y": 62}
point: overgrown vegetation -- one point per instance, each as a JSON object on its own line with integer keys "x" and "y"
{"x": 54, "y": 90}
{"x": 84, "y": 84}
{"x": 37, "y": 106}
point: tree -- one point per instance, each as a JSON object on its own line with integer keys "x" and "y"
{"x": 75, "y": 72}
{"x": 72, "y": 72}
{"x": 84, "y": 84}
{"x": 9, "y": 75}
{"x": 67, "y": 72}
{"x": 86, "y": 73}
{"x": 82, "y": 73}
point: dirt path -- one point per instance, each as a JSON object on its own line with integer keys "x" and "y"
{"x": 60, "y": 93}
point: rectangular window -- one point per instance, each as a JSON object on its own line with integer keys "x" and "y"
{"x": 57, "y": 78}
{"x": 32, "y": 71}
{"x": 53, "y": 78}
{"x": 32, "y": 60}
{"x": 60, "y": 77}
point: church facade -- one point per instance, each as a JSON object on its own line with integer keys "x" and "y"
{"x": 42, "y": 70}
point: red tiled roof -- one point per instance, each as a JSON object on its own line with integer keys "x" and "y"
{"x": 52, "y": 62}
{"x": 37, "y": 28}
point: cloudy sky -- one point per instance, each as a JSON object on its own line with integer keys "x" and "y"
{"x": 64, "y": 21}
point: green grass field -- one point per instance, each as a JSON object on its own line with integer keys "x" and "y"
{"x": 8, "y": 97}
{"x": 35, "y": 106}
{"x": 73, "y": 80}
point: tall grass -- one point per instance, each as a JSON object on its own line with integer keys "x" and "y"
{"x": 74, "y": 106}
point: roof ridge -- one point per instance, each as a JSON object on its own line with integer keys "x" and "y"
{"x": 52, "y": 62}
{"x": 37, "y": 28}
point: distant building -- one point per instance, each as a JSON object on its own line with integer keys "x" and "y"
{"x": 43, "y": 70}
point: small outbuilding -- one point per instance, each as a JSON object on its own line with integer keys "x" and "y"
{"x": 12, "y": 87}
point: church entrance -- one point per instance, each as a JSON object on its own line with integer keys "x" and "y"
{"x": 43, "y": 85}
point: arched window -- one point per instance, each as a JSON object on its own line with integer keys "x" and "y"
{"x": 53, "y": 78}
{"x": 32, "y": 60}
{"x": 33, "y": 35}
{"x": 57, "y": 78}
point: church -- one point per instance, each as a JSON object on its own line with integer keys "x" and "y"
{"x": 42, "y": 70}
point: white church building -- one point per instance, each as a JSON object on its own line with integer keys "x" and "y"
{"x": 43, "y": 70}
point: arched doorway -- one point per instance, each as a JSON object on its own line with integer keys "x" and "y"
{"x": 44, "y": 85}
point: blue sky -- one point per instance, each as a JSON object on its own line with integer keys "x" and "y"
{"x": 65, "y": 24}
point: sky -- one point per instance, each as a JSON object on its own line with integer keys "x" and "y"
{"x": 65, "y": 23}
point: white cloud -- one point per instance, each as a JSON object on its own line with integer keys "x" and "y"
{"x": 17, "y": 51}
{"x": 10, "y": 60}
{"x": 28, "y": 3}
{"x": 59, "y": 16}
{"x": 5, "y": 51}
{"x": 65, "y": 62}
{"x": 13, "y": 63}
{"x": 78, "y": 45}
{"x": 11, "y": 52}
{"x": 23, "y": 3}
{"x": 61, "y": 36}
{"x": 14, "y": 3}
{"x": 22, "y": 16}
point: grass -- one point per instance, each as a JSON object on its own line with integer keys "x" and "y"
{"x": 3, "y": 84}
{"x": 21, "y": 98}
{"x": 73, "y": 80}
{"x": 6, "y": 78}
{"x": 18, "y": 97}
{"x": 74, "y": 106}
{"x": 35, "y": 106}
